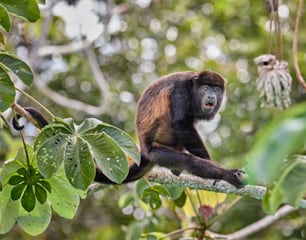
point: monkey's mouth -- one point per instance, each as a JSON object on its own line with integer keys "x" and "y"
{"x": 209, "y": 105}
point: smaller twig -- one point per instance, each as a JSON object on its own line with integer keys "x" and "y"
{"x": 295, "y": 45}
{"x": 70, "y": 48}
{"x": 37, "y": 102}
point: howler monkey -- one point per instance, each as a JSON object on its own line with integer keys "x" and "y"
{"x": 165, "y": 120}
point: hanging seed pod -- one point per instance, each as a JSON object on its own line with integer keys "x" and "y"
{"x": 273, "y": 82}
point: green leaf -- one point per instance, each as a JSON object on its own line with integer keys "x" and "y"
{"x": 152, "y": 194}
{"x": 152, "y": 198}
{"x": 28, "y": 199}
{"x": 17, "y": 191}
{"x": 174, "y": 191}
{"x": 8, "y": 210}
{"x": 141, "y": 185}
{"x": 50, "y": 154}
{"x": 16, "y": 66}
{"x": 4, "y": 19}
{"x": 77, "y": 146}
{"x": 87, "y": 125}
{"x": 7, "y": 90}
{"x": 50, "y": 131}
{"x": 274, "y": 196}
{"x": 40, "y": 193}
{"x": 79, "y": 165}
{"x": 45, "y": 185}
{"x": 108, "y": 156}
{"x": 272, "y": 200}
{"x": 125, "y": 142}
{"x": 296, "y": 178}
{"x": 16, "y": 179}
{"x": 181, "y": 200}
{"x": 23, "y": 172}
{"x": 273, "y": 144}
{"x": 23, "y": 8}
{"x": 37, "y": 221}
{"x": 64, "y": 197}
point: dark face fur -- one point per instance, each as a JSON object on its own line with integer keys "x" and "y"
{"x": 210, "y": 96}
{"x": 208, "y": 92}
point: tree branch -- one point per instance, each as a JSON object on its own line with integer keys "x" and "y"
{"x": 256, "y": 226}
{"x": 164, "y": 176}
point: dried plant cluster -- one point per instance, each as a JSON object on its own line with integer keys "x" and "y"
{"x": 273, "y": 82}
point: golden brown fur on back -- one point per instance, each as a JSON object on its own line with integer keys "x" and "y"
{"x": 153, "y": 111}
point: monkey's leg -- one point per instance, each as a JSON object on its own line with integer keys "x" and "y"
{"x": 204, "y": 168}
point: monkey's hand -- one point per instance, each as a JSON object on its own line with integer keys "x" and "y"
{"x": 234, "y": 177}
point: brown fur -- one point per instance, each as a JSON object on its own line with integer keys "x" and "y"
{"x": 153, "y": 112}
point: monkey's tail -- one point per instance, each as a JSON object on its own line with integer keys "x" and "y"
{"x": 135, "y": 172}
{"x": 40, "y": 119}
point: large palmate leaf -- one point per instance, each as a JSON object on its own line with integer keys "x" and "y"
{"x": 78, "y": 146}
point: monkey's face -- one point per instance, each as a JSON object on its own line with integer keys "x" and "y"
{"x": 210, "y": 98}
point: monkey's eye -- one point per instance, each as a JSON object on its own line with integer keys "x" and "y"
{"x": 205, "y": 88}
{"x": 216, "y": 89}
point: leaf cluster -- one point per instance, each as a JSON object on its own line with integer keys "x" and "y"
{"x": 273, "y": 159}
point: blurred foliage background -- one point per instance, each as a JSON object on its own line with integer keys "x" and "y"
{"x": 104, "y": 53}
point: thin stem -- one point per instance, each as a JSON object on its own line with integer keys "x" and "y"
{"x": 147, "y": 180}
{"x": 37, "y": 102}
{"x": 23, "y": 144}
{"x": 4, "y": 120}
{"x": 188, "y": 194}
{"x": 295, "y": 45}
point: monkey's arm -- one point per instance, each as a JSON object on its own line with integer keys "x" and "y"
{"x": 179, "y": 161}
{"x": 190, "y": 139}
{"x": 183, "y": 124}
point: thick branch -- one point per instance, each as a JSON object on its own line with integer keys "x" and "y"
{"x": 164, "y": 176}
